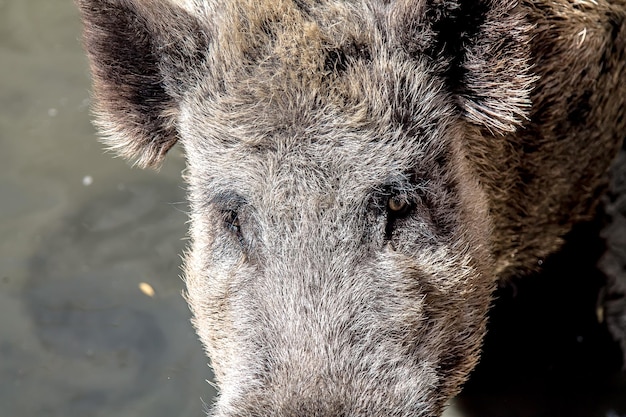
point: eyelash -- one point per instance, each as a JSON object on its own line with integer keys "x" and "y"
{"x": 232, "y": 222}
{"x": 231, "y": 217}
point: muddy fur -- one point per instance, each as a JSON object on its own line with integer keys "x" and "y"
{"x": 361, "y": 174}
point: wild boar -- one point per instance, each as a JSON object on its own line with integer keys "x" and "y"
{"x": 361, "y": 174}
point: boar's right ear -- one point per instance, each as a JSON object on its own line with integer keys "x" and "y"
{"x": 143, "y": 53}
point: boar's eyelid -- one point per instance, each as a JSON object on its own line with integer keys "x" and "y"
{"x": 227, "y": 200}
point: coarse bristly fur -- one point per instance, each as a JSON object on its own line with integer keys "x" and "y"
{"x": 361, "y": 173}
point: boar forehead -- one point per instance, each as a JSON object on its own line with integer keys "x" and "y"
{"x": 396, "y": 124}
{"x": 315, "y": 88}
{"x": 305, "y": 167}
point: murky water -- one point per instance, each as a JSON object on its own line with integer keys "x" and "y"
{"x": 81, "y": 231}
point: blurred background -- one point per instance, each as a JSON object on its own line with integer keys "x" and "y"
{"x": 92, "y": 322}
{"x": 80, "y": 231}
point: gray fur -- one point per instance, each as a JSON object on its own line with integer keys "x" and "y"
{"x": 361, "y": 173}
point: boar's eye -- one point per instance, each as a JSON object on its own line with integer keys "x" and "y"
{"x": 398, "y": 207}
{"x": 231, "y": 208}
{"x": 232, "y": 221}
{"x": 231, "y": 218}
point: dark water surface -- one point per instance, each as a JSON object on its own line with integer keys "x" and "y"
{"x": 82, "y": 231}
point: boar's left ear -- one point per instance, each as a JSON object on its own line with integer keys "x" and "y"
{"x": 142, "y": 54}
{"x": 481, "y": 48}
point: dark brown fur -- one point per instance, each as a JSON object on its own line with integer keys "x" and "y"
{"x": 361, "y": 173}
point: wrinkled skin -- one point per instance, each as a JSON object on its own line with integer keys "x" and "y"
{"x": 361, "y": 174}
